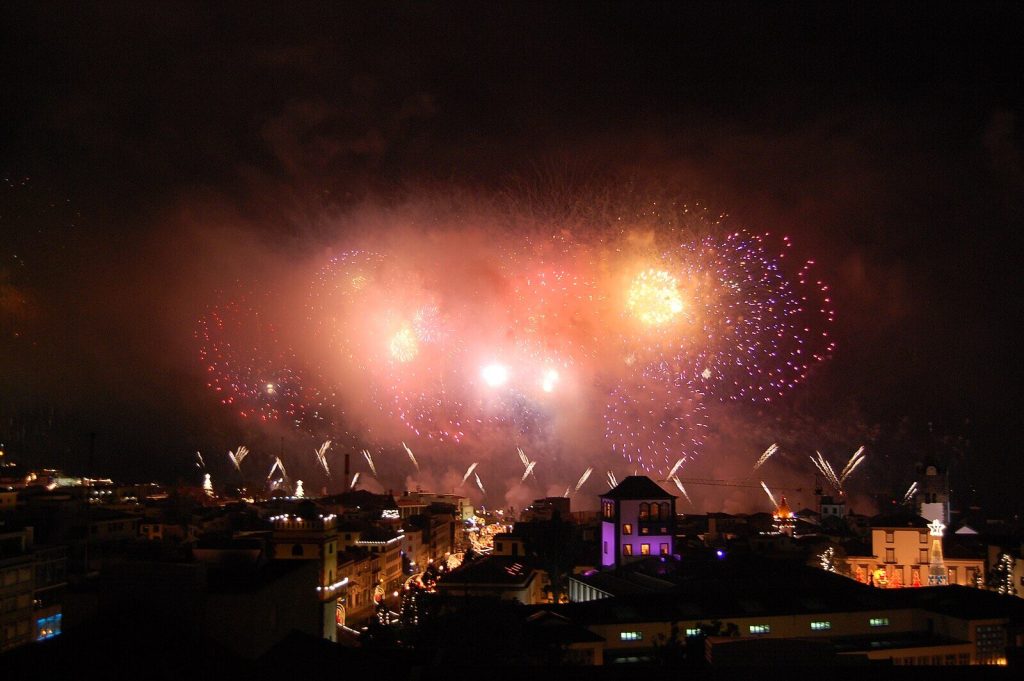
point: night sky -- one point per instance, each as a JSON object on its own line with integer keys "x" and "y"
{"x": 153, "y": 154}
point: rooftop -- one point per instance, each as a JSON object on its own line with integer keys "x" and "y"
{"x": 637, "y": 487}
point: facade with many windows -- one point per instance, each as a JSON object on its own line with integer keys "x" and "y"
{"x": 901, "y": 548}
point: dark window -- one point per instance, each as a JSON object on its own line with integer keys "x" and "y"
{"x": 645, "y": 511}
{"x": 297, "y": 550}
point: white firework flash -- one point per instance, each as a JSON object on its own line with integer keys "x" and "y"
{"x": 612, "y": 480}
{"x": 771, "y": 496}
{"x": 278, "y": 465}
{"x": 766, "y": 455}
{"x": 369, "y": 460}
{"x": 682, "y": 489}
{"x": 480, "y": 484}
{"x": 675, "y": 467}
{"x": 355, "y": 479}
{"x": 201, "y": 464}
{"x": 826, "y": 471}
{"x": 909, "y": 494}
{"x": 526, "y": 462}
{"x": 855, "y": 460}
{"x": 583, "y": 478}
{"x": 469, "y": 471}
{"x": 411, "y": 457}
{"x": 529, "y": 469}
{"x": 321, "y": 456}
{"x": 237, "y": 456}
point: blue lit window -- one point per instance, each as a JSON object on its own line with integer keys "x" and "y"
{"x": 631, "y": 636}
{"x": 48, "y": 627}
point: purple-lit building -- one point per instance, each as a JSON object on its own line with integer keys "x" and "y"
{"x": 637, "y": 520}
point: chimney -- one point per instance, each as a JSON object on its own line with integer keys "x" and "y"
{"x": 346, "y": 467}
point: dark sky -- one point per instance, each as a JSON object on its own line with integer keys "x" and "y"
{"x": 886, "y": 138}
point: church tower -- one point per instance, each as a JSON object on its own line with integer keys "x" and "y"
{"x": 933, "y": 491}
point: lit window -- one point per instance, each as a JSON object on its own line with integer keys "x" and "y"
{"x": 627, "y": 528}
{"x": 879, "y": 621}
{"x": 631, "y": 636}
{"x": 694, "y": 631}
{"x": 627, "y": 549}
{"x": 821, "y": 626}
{"x": 756, "y": 629}
{"x": 645, "y": 549}
{"x": 664, "y": 549}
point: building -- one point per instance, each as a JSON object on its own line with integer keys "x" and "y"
{"x": 637, "y": 520}
{"x": 32, "y": 580}
{"x": 933, "y": 493}
{"x": 788, "y": 606}
{"x": 495, "y": 577}
{"x": 903, "y": 554}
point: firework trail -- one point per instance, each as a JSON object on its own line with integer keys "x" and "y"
{"x": 411, "y": 457}
{"x": 675, "y": 467}
{"x": 854, "y": 461}
{"x": 237, "y": 456}
{"x": 825, "y": 468}
{"x": 469, "y": 471}
{"x": 909, "y": 494}
{"x": 583, "y": 478}
{"x": 612, "y": 481}
{"x": 682, "y": 489}
{"x": 201, "y": 464}
{"x": 369, "y": 460}
{"x": 764, "y": 457}
{"x": 526, "y": 462}
{"x": 480, "y": 484}
{"x": 321, "y": 456}
{"x": 771, "y": 496}
{"x": 278, "y": 465}
{"x": 565, "y": 495}
{"x": 355, "y": 479}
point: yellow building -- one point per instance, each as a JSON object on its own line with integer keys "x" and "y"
{"x": 902, "y": 554}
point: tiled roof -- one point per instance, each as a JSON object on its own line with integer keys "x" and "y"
{"x": 637, "y": 487}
